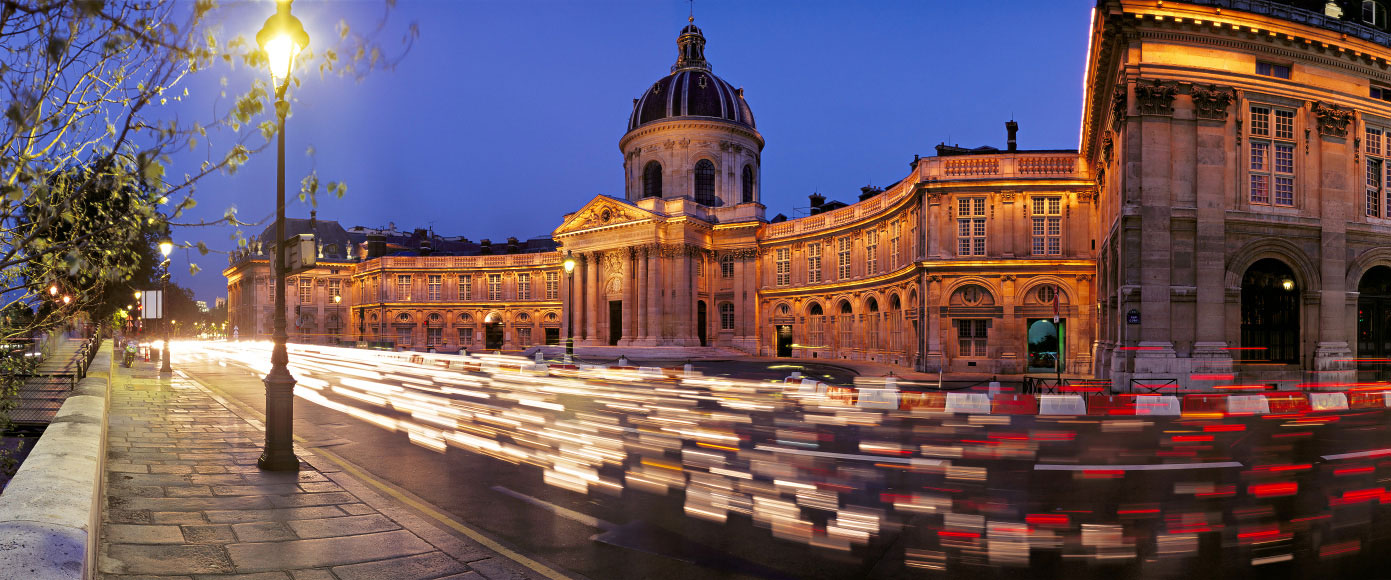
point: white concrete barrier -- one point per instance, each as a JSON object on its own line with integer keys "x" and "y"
{"x": 1248, "y": 405}
{"x": 1160, "y": 405}
{"x": 974, "y": 403}
{"x": 1328, "y": 401}
{"x": 1061, "y": 405}
{"x": 883, "y": 399}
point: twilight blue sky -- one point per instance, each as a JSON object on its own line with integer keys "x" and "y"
{"x": 507, "y": 113}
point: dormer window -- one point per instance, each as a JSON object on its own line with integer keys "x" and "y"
{"x": 1279, "y": 71}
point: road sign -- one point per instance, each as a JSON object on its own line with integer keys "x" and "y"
{"x": 152, "y": 302}
{"x": 299, "y": 254}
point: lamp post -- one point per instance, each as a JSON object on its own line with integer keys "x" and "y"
{"x": 166, "y": 246}
{"x": 570, "y": 306}
{"x": 282, "y": 38}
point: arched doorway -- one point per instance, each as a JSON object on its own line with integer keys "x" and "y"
{"x": 1045, "y": 346}
{"x": 1374, "y": 319}
{"x": 492, "y": 331}
{"x": 700, "y": 321}
{"x": 1270, "y": 313}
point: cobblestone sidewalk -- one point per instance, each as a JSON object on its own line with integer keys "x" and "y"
{"x": 184, "y": 499}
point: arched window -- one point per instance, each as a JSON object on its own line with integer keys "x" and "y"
{"x": 816, "y": 333}
{"x": 847, "y": 331}
{"x": 705, "y": 182}
{"x": 726, "y": 316}
{"x": 748, "y": 184}
{"x": 895, "y": 323}
{"x": 872, "y": 336}
{"x": 652, "y": 179}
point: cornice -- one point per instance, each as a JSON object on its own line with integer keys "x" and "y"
{"x": 902, "y": 274}
{"x": 678, "y": 123}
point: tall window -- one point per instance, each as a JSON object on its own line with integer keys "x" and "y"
{"x": 335, "y": 290}
{"x": 847, "y": 329}
{"x": 523, "y": 286}
{"x": 871, "y": 252}
{"x": 817, "y": 319}
{"x": 970, "y": 226}
{"x": 1048, "y": 228}
{"x": 813, "y": 262}
{"x": 652, "y": 179}
{"x": 971, "y": 337}
{"x": 306, "y": 291}
{"x": 705, "y": 182}
{"x": 434, "y": 336}
{"x": 552, "y": 285}
{"x": 726, "y": 266}
{"x": 494, "y": 287}
{"x": 466, "y": 287}
{"x": 726, "y": 316}
{"x": 843, "y": 258}
{"x": 895, "y": 231}
{"x": 465, "y": 336}
{"x": 403, "y": 287}
{"x": 434, "y": 282}
{"x": 403, "y": 335}
{"x": 524, "y": 336}
{"x": 1272, "y": 156}
{"x": 872, "y": 334}
{"x": 783, "y": 263}
{"x": 748, "y": 184}
{"x": 1376, "y": 176}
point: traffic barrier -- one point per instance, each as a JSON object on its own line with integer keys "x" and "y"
{"x": 1061, "y": 405}
{"x": 1014, "y": 405}
{"x": 1248, "y": 405}
{"x": 1368, "y": 400}
{"x": 1288, "y": 402}
{"x": 1328, "y": 401}
{"x": 921, "y": 402}
{"x": 877, "y": 399}
{"x": 974, "y": 403}
{"x": 1133, "y": 405}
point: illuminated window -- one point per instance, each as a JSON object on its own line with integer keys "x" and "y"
{"x": 813, "y": 263}
{"x": 552, "y": 285}
{"x": 895, "y": 232}
{"x": 971, "y": 337}
{"x": 466, "y": 287}
{"x": 971, "y": 226}
{"x": 403, "y": 287}
{"x": 523, "y": 286}
{"x": 494, "y": 287}
{"x": 403, "y": 335}
{"x": 1048, "y": 229}
{"x": 726, "y": 316}
{"x": 843, "y": 258}
{"x": 335, "y": 289}
{"x": 817, "y": 319}
{"x": 434, "y": 336}
{"x": 1272, "y": 156}
{"x": 465, "y": 336}
{"x": 434, "y": 282}
{"x": 727, "y": 266}
{"x": 306, "y": 291}
{"x": 784, "y": 267}
{"x": 524, "y": 336}
{"x": 1377, "y": 148}
{"x": 871, "y": 252}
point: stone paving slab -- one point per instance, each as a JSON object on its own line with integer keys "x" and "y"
{"x": 185, "y": 500}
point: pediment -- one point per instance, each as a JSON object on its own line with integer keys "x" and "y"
{"x": 603, "y": 211}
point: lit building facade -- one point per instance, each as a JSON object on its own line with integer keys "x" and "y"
{"x": 1227, "y": 215}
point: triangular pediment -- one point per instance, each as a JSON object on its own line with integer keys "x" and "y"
{"x": 603, "y": 211}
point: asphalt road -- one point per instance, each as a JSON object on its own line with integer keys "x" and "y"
{"x": 610, "y": 477}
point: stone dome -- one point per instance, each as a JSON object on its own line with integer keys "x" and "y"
{"x": 691, "y": 90}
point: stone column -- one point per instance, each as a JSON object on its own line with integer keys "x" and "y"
{"x": 1332, "y": 352}
{"x": 1150, "y": 164}
{"x": 591, "y": 305}
{"x": 654, "y": 289}
{"x": 1009, "y": 337}
{"x": 932, "y": 323}
{"x": 1210, "y": 354}
{"x": 640, "y": 294}
{"x": 684, "y": 325}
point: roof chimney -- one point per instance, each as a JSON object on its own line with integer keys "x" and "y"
{"x": 376, "y": 246}
{"x": 512, "y": 245}
{"x": 485, "y": 247}
{"x": 1013, "y": 129}
{"x": 816, "y": 201}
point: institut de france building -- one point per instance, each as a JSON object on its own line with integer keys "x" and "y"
{"x": 1226, "y": 214}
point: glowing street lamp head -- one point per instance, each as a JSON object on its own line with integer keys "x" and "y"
{"x": 569, "y": 263}
{"x": 282, "y": 37}
{"x": 166, "y": 246}
{"x": 53, "y": 290}
{"x": 67, "y": 299}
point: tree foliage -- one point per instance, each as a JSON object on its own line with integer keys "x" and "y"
{"x": 95, "y": 99}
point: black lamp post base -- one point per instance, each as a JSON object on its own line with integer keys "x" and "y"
{"x": 285, "y": 461}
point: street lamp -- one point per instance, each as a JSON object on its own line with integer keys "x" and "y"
{"x": 570, "y": 306}
{"x": 282, "y": 38}
{"x": 166, "y": 246}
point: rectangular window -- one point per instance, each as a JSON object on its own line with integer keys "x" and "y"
{"x": 813, "y": 263}
{"x": 435, "y": 282}
{"x": 434, "y": 336}
{"x": 403, "y": 336}
{"x": 466, "y": 287}
{"x": 1381, "y": 93}
{"x": 524, "y": 336}
{"x": 403, "y": 287}
{"x": 335, "y": 291}
{"x": 523, "y": 286}
{"x": 306, "y": 291}
{"x": 971, "y": 338}
{"x": 843, "y": 259}
{"x": 552, "y": 285}
{"x": 700, "y": 268}
{"x": 1272, "y": 156}
{"x": 971, "y": 226}
{"x": 726, "y": 316}
{"x": 895, "y": 231}
{"x": 494, "y": 287}
{"x": 1374, "y": 184}
{"x": 1377, "y": 168}
{"x": 783, "y": 263}
{"x": 466, "y": 336}
{"x": 871, "y": 252}
{"x": 727, "y": 267}
{"x": 1278, "y": 71}
{"x": 1048, "y": 230}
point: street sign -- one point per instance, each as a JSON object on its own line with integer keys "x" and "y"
{"x": 299, "y": 254}
{"x": 1132, "y": 317}
{"x": 152, "y": 304}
